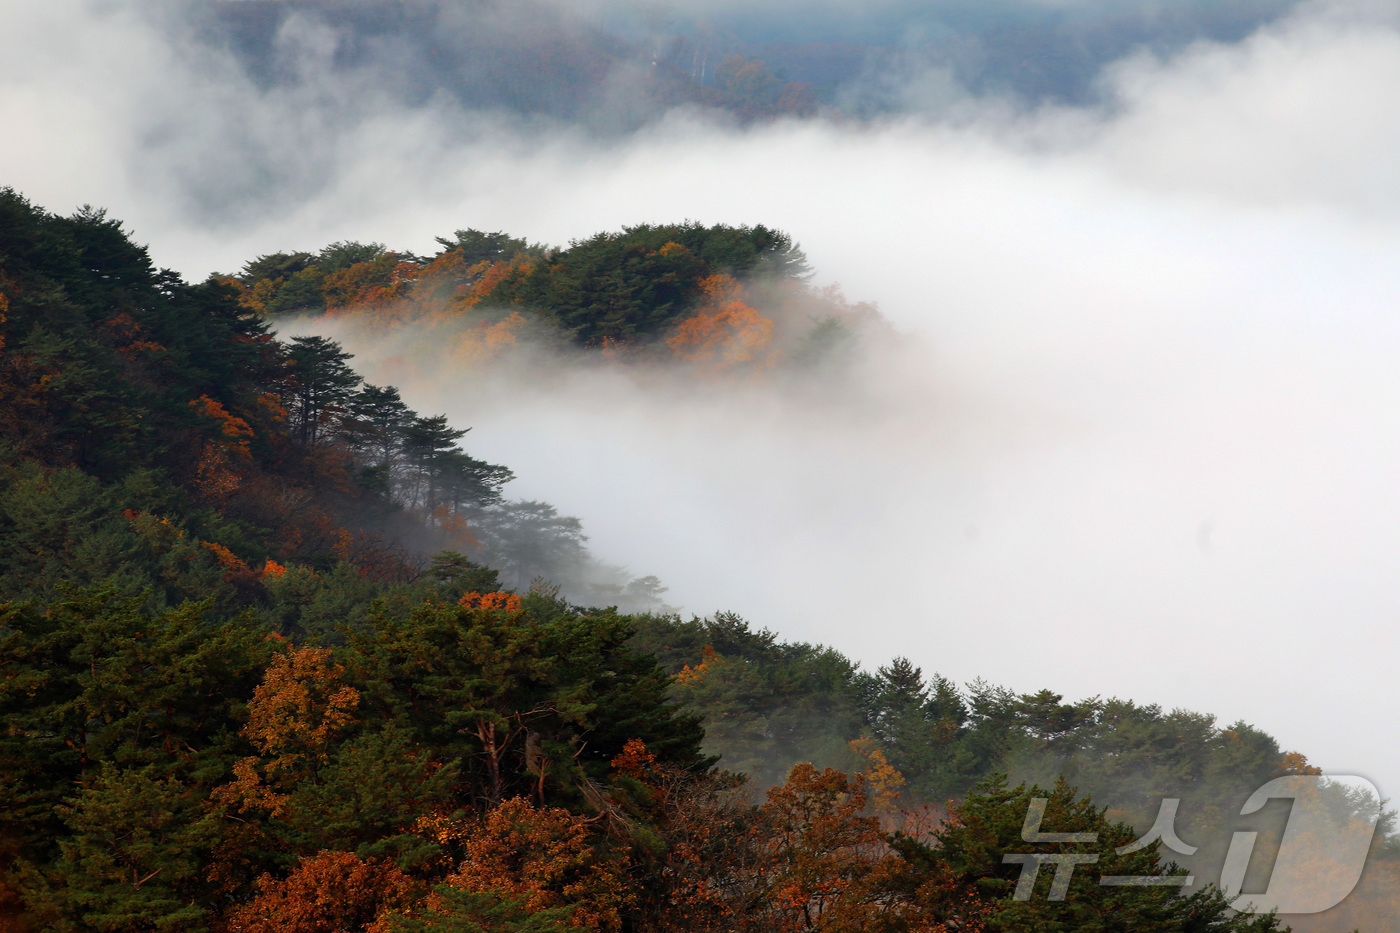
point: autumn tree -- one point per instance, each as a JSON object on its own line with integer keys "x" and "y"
{"x": 724, "y": 331}
{"x": 547, "y": 857}
{"x": 326, "y": 893}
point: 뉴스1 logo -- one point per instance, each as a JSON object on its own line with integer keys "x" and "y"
{"x": 1294, "y": 885}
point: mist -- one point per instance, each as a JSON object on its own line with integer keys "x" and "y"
{"x": 1139, "y": 433}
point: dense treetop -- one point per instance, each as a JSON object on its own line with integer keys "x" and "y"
{"x": 685, "y": 284}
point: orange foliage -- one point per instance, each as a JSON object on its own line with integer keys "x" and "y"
{"x": 1297, "y": 763}
{"x": 715, "y": 862}
{"x": 128, "y": 336}
{"x": 487, "y": 339}
{"x": 690, "y": 675}
{"x": 331, "y": 892}
{"x": 488, "y": 276}
{"x": 723, "y": 332}
{"x": 454, "y": 526}
{"x": 153, "y": 526}
{"x": 254, "y": 299}
{"x": 404, "y": 293}
{"x": 272, "y": 407}
{"x": 1371, "y": 906}
{"x": 371, "y": 285}
{"x": 297, "y": 712}
{"x": 123, "y": 328}
{"x": 273, "y": 569}
{"x": 301, "y": 705}
{"x": 235, "y": 429}
{"x": 820, "y": 842}
{"x": 378, "y": 558}
{"x": 721, "y": 289}
{"x": 545, "y": 856}
{"x": 312, "y": 530}
{"x": 257, "y": 298}
{"x": 444, "y": 274}
{"x": 635, "y": 760}
{"x": 226, "y": 558}
{"x": 506, "y": 602}
{"x": 614, "y": 350}
{"x": 342, "y": 544}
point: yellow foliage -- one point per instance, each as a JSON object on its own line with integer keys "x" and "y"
{"x": 882, "y": 779}
{"x": 296, "y": 714}
{"x": 487, "y": 340}
{"x": 301, "y": 704}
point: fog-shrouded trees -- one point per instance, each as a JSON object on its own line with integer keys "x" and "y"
{"x": 256, "y": 675}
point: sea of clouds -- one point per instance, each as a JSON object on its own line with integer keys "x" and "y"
{"x": 1140, "y": 437}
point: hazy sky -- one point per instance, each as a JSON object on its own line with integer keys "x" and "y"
{"x": 1142, "y": 437}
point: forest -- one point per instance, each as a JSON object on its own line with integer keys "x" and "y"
{"x": 277, "y": 653}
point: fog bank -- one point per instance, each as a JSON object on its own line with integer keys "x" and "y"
{"x": 1140, "y": 438}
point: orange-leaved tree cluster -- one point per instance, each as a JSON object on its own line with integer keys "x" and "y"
{"x": 724, "y": 331}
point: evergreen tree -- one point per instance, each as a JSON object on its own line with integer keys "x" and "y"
{"x": 321, "y": 386}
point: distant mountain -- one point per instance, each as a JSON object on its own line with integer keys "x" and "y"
{"x": 616, "y": 66}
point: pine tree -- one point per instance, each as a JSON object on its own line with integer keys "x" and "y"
{"x": 322, "y": 385}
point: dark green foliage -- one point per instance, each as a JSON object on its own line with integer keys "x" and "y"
{"x": 436, "y": 473}
{"x": 828, "y": 340}
{"x": 477, "y": 246}
{"x": 118, "y": 723}
{"x": 364, "y": 798}
{"x": 626, "y": 286}
{"x": 93, "y": 678}
{"x": 374, "y": 423}
{"x": 305, "y": 605}
{"x": 64, "y": 526}
{"x": 767, "y": 704}
{"x": 278, "y": 267}
{"x": 457, "y": 575}
{"x": 528, "y": 539}
{"x": 300, "y": 293}
{"x": 523, "y": 700}
{"x": 105, "y": 354}
{"x": 321, "y": 386}
{"x": 967, "y": 854}
{"x": 346, "y": 253}
{"x": 133, "y": 854}
{"x": 633, "y": 285}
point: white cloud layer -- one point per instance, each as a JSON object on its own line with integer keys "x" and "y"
{"x": 1143, "y": 439}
